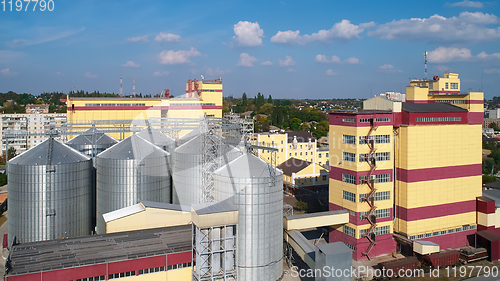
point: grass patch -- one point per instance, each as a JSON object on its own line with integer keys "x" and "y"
{"x": 3, "y": 219}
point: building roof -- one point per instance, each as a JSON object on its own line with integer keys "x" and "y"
{"x": 85, "y": 138}
{"x": 49, "y": 152}
{"x": 429, "y": 243}
{"x": 334, "y": 248}
{"x": 246, "y": 166}
{"x": 490, "y": 234}
{"x": 165, "y": 206}
{"x": 317, "y": 214}
{"x": 133, "y": 147}
{"x": 431, "y": 107}
{"x": 495, "y": 185}
{"x": 98, "y": 249}
{"x": 324, "y": 148}
{"x": 156, "y": 137}
{"x": 493, "y": 194}
{"x": 293, "y": 165}
{"x": 123, "y": 212}
{"x": 213, "y": 208}
{"x": 301, "y": 137}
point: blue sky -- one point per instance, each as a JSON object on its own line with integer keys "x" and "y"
{"x": 287, "y": 49}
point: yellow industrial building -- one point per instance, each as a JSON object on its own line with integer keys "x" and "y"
{"x": 422, "y": 156}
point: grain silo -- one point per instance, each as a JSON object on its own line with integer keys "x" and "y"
{"x": 187, "y": 169}
{"x": 158, "y": 138}
{"x": 131, "y": 171}
{"x": 257, "y": 193}
{"x": 92, "y": 142}
{"x": 50, "y": 189}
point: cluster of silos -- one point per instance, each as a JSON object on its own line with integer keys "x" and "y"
{"x": 257, "y": 192}
{"x": 92, "y": 142}
{"x": 131, "y": 171}
{"x": 158, "y": 138}
{"x": 187, "y": 168}
{"x": 50, "y": 189}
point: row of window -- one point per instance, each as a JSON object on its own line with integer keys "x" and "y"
{"x": 378, "y": 178}
{"x": 452, "y": 101}
{"x": 378, "y": 196}
{"x": 131, "y": 273}
{"x": 349, "y": 231}
{"x": 453, "y": 86}
{"x": 347, "y": 156}
{"x": 348, "y": 120}
{"x": 350, "y": 246}
{"x": 376, "y": 139}
{"x": 378, "y": 230}
{"x": 368, "y": 120}
{"x": 378, "y": 156}
{"x": 349, "y": 196}
{"x": 380, "y": 213}
{"x": 115, "y": 104}
{"x": 96, "y": 278}
{"x": 443, "y": 232}
{"x": 311, "y": 179}
{"x": 121, "y": 275}
{"x": 191, "y": 104}
{"x": 151, "y": 270}
{"x": 178, "y": 266}
{"x": 349, "y": 178}
{"x": 439, "y": 119}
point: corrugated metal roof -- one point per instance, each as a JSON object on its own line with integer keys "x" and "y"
{"x": 421, "y": 242}
{"x": 317, "y": 214}
{"x": 86, "y": 138}
{"x": 195, "y": 146}
{"x": 39, "y": 155}
{"x": 189, "y": 135}
{"x": 431, "y": 107}
{"x": 133, "y": 147}
{"x": 99, "y": 249}
{"x": 166, "y": 206}
{"x": 123, "y": 212}
{"x": 246, "y": 166}
{"x": 334, "y": 248}
{"x": 213, "y": 208}
{"x": 156, "y": 137}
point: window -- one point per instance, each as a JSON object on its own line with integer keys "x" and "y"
{"x": 454, "y": 86}
{"x": 298, "y": 180}
{"x": 380, "y": 213}
{"x": 439, "y": 119}
{"x": 378, "y": 196}
{"x": 350, "y": 246}
{"x": 290, "y": 154}
{"x": 349, "y": 139}
{"x": 376, "y": 139}
{"x": 349, "y": 178}
{"x": 379, "y": 156}
{"x": 301, "y": 146}
{"x": 295, "y": 153}
{"x": 306, "y": 153}
{"x": 382, "y": 119}
{"x": 446, "y": 85}
{"x": 348, "y": 120}
{"x": 319, "y": 155}
{"x": 281, "y": 142}
{"x": 177, "y": 266}
{"x": 120, "y": 275}
{"x": 349, "y": 196}
{"x": 431, "y": 86}
{"x": 324, "y": 178}
{"x": 349, "y": 231}
{"x": 378, "y": 230}
{"x": 153, "y": 270}
{"x": 378, "y": 178}
{"x": 365, "y": 120}
{"x": 282, "y": 150}
{"x": 327, "y": 154}
{"x": 301, "y": 153}
{"x": 347, "y": 156}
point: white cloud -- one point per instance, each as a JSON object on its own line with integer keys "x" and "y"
{"x": 466, "y": 27}
{"x": 492, "y": 71}
{"x": 248, "y": 34}
{"x": 177, "y": 57}
{"x": 47, "y": 35}
{"x": 330, "y": 72}
{"x": 353, "y": 60}
{"x": 7, "y": 72}
{"x": 341, "y": 31}
{"x": 467, "y": 3}
{"x": 484, "y": 55}
{"x": 325, "y": 59}
{"x": 445, "y": 54}
{"x": 161, "y": 73}
{"x": 167, "y": 37}
{"x": 291, "y": 70}
{"x": 131, "y": 64}
{"x": 267, "y": 62}
{"x": 387, "y": 68}
{"x": 246, "y": 60}
{"x": 287, "y": 62}
{"x": 143, "y": 38}
{"x": 90, "y": 75}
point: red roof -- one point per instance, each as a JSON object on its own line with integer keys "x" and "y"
{"x": 490, "y": 234}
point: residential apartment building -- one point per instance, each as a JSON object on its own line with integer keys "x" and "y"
{"x": 409, "y": 170}
{"x": 300, "y": 173}
{"x": 37, "y": 123}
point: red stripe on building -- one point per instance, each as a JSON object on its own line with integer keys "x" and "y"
{"x": 356, "y": 218}
{"x": 336, "y": 173}
{"x": 475, "y": 101}
{"x": 417, "y": 101}
{"x": 435, "y": 211}
{"x": 446, "y": 92}
{"x": 476, "y": 118}
{"x": 77, "y": 272}
{"x": 453, "y": 240}
{"x": 439, "y": 173}
{"x": 335, "y": 118}
{"x": 110, "y": 108}
{"x": 482, "y": 227}
{"x": 26, "y": 277}
{"x": 409, "y": 118}
{"x": 385, "y": 244}
{"x": 184, "y": 107}
{"x": 485, "y": 205}
{"x": 136, "y": 264}
{"x": 179, "y": 258}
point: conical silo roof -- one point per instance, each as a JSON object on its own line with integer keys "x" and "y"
{"x": 85, "y": 138}
{"x": 193, "y": 146}
{"x": 133, "y": 147}
{"x": 246, "y": 166}
{"x": 156, "y": 137}
{"x": 189, "y": 135}
{"x": 49, "y": 152}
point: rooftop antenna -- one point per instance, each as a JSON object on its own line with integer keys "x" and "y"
{"x": 425, "y": 62}
{"x": 133, "y": 88}
{"x": 121, "y": 86}
{"x": 202, "y": 77}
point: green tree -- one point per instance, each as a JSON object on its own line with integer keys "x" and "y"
{"x": 301, "y": 205}
{"x": 295, "y": 124}
{"x": 494, "y": 126}
{"x": 488, "y": 179}
{"x": 270, "y": 99}
{"x": 244, "y": 100}
{"x": 12, "y": 152}
{"x": 266, "y": 109}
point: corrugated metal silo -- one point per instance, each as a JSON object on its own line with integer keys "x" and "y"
{"x": 187, "y": 170}
{"x": 131, "y": 171}
{"x": 188, "y": 136}
{"x": 158, "y": 138}
{"x": 247, "y": 182}
{"x": 50, "y": 189}
{"x": 92, "y": 142}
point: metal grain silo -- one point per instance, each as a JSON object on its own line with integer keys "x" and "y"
{"x": 92, "y": 142}
{"x": 247, "y": 181}
{"x": 49, "y": 189}
{"x": 158, "y": 138}
{"x": 187, "y": 169}
{"x": 131, "y": 171}
{"x": 189, "y": 135}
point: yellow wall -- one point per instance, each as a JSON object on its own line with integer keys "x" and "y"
{"x": 435, "y": 224}
{"x": 150, "y": 218}
{"x": 416, "y": 93}
{"x": 325, "y": 220}
{"x": 182, "y": 274}
{"x": 314, "y": 172}
{"x": 336, "y": 195}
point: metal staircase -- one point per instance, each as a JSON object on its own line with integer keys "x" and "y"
{"x": 370, "y": 199}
